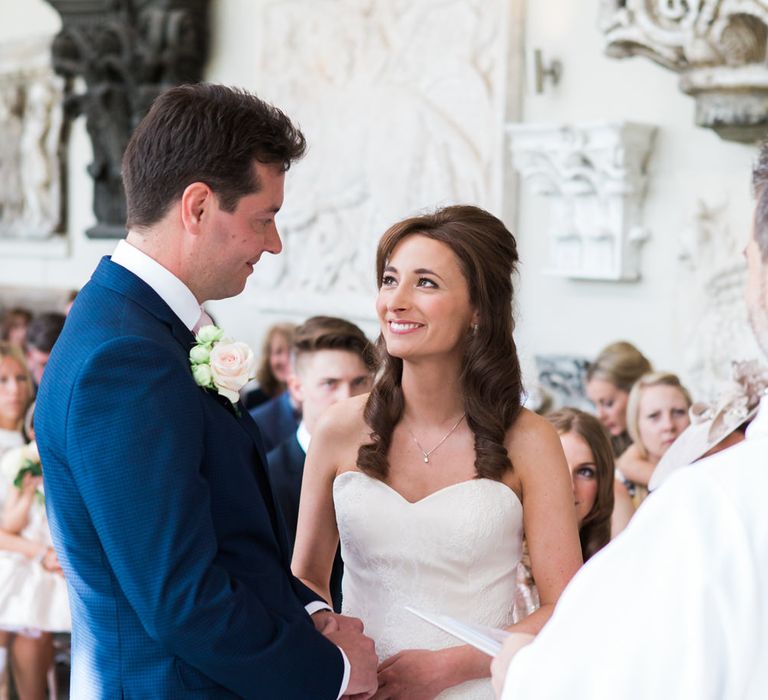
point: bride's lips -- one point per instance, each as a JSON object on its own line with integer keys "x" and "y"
{"x": 404, "y": 327}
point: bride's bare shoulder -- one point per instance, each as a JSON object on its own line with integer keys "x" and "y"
{"x": 529, "y": 435}
{"x": 344, "y": 421}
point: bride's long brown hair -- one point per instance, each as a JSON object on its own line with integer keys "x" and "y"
{"x": 490, "y": 377}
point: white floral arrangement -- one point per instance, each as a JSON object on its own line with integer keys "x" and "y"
{"x": 20, "y": 461}
{"x": 221, "y": 364}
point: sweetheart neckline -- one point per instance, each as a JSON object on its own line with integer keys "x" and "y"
{"x": 434, "y": 493}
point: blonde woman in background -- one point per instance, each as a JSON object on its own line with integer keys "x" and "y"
{"x": 609, "y": 380}
{"x": 657, "y": 412}
{"x": 15, "y": 396}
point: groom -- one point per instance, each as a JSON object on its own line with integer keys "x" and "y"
{"x": 159, "y": 504}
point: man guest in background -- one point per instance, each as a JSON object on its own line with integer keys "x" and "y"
{"x": 331, "y": 360}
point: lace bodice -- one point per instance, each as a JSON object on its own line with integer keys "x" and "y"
{"x": 454, "y": 552}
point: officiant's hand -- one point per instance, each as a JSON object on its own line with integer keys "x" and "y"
{"x": 500, "y": 663}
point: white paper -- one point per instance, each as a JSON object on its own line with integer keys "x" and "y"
{"x": 487, "y": 639}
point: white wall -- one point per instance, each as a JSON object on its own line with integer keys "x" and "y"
{"x": 660, "y": 312}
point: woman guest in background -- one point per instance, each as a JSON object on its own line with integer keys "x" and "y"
{"x": 657, "y": 412}
{"x": 33, "y": 593}
{"x": 15, "y": 396}
{"x": 13, "y": 326}
{"x": 430, "y": 479}
{"x": 609, "y": 380}
{"x": 272, "y": 374}
{"x": 590, "y": 460}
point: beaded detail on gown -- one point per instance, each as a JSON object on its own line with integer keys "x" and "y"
{"x": 454, "y": 552}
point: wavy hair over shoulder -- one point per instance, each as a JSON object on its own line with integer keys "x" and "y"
{"x": 490, "y": 377}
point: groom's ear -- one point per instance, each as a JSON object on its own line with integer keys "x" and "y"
{"x": 197, "y": 201}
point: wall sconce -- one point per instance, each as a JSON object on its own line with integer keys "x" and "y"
{"x": 544, "y": 72}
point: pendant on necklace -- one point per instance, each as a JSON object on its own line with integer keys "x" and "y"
{"x": 426, "y": 459}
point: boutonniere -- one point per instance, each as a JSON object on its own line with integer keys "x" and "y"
{"x": 221, "y": 364}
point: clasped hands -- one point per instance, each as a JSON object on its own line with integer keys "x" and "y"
{"x": 347, "y": 634}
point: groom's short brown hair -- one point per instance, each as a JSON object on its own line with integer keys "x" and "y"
{"x": 203, "y": 133}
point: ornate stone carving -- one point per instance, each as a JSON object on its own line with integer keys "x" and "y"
{"x": 717, "y": 46}
{"x": 594, "y": 176}
{"x": 715, "y": 323}
{"x": 31, "y": 121}
{"x": 126, "y": 52}
{"x": 403, "y": 106}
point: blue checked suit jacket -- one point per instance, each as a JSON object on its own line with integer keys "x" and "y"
{"x": 163, "y": 517}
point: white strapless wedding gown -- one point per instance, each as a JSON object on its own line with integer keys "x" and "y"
{"x": 454, "y": 552}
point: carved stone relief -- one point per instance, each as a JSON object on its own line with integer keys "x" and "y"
{"x": 717, "y": 46}
{"x": 403, "y": 107}
{"x": 716, "y": 324}
{"x": 594, "y": 176}
{"x": 31, "y": 125}
{"x": 126, "y": 52}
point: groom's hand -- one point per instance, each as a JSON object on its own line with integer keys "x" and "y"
{"x": 361, "y": 653}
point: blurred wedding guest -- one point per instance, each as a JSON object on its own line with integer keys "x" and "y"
{"x": 33, "y": 593}
{"x": 609, "y": 379}
{"x": 42, "y": 333}
{"x": 70, "y": 300}
{"x": 272, "y": 374}
{"x": 13, "y": 326}
{"x": 428, "y": 480}
{"x": 695, "y": 556}
{"x": 331, "y": 360}
{"x": 657, "y": 412}
{"x": 16, "y": 394}
{"x": 596, "y": 497}
{"x": 718, "y": 426}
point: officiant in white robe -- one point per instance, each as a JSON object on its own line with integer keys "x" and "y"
{"x": 677, "y": 605}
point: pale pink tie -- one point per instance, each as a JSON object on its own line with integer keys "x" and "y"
{"x": 204, "y": 320}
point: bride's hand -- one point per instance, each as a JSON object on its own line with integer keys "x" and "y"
{"x": 413, "y": 674}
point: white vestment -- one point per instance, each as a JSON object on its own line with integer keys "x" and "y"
{"x": 677, "y": 605}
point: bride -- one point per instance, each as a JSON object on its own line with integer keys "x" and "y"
{"x": 430, "y": 480}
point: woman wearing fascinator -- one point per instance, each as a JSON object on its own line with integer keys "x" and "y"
{"x": 718, "y": 426}
{"x": 430, "y": 478}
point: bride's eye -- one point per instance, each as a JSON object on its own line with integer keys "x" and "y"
{"x": 388, "y": 281}
{"x": 426, "y": 282}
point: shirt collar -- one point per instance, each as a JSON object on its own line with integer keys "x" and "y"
{"x": 167, "y": 286}
{"x": 303, "y": 437}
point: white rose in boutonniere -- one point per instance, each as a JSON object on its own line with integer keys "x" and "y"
{"x": 221, "y": 364}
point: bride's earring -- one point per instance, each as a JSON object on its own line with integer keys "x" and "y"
{"x": 474, "y": 328}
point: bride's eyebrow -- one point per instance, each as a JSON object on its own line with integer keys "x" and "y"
{"x": 426, "y": 271}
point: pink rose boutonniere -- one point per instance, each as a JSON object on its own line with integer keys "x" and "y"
{"x": 221, "y": 364}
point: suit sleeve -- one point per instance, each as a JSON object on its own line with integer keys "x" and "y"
{"x": 135, "y": 436}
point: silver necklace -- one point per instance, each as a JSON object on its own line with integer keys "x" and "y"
{"x": 426, "y": 453}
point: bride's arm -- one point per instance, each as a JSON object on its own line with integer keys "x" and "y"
{"x": 549, "y": 515}
{"x": 317, "y": 536}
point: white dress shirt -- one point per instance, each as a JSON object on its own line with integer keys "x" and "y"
{"x": 677, "y": 605}
{"x": 184, "y": 304}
